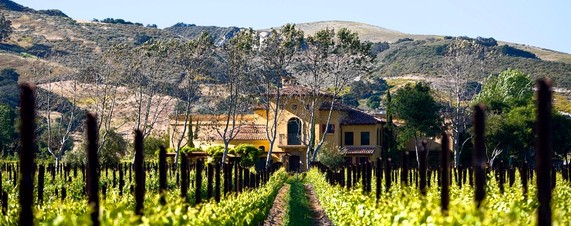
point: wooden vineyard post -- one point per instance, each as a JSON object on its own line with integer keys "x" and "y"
{"x": 162, "y": 174}
{"x": 139, "y": 174}
{"x": 388, "y": 172}
{"x": 479, "y": 155}
{"x": 209, "y": 180}
{"x": 379, "y": 176}
{"x": 240, "y": 179}
{"x": 114, "y": 178}
{"x": 369, "y": 175}
{"x": 27, "y": 150}
{"x": 4, "y": 202}
{"x": 217, "y": 183}
{"x": 501, "y": 176}
{"x": 41, "y": 173}
{"x": 511, "y": 172}
{"x": 404, "y": 172}
{"x": 444, "y": 174}
{"x": 227, "y": 179}
{"x": 543, "y": 147}
{"x": 422, "y": 167}
{"x": 343, "y": 176}
{"x": 92, "y": 166}
{"x": 64, "y": 193}
{"x": 349, "y": 173}
{"x": 121, "y": 180}
{"x": 246, "y": 180}
{"x": 236, "y": 176}
{"x": 198, "y": 193}
{"x": 252, "y": 180}
{"x": 184, "y": 174}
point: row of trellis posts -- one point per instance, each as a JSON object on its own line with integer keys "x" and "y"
{"x": 234, "y": 177}
{"x": 349, "y": 175}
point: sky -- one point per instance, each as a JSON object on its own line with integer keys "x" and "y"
{"x": 541, "y": 23}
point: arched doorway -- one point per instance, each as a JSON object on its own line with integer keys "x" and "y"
{"x": 294, "y": 131}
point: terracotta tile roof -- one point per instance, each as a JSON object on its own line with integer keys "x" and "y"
{"x": 353, "y": 116}
{"x": 360, "y": 150}
{"x": 251, "y": 132}
{"x": 296, "y": 90}
{"x": 247, "y": 132}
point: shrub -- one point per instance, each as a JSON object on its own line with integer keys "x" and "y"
{"x": 249, "y": 154}
{"x": 215, "y": 151}
{"x": 332, "y": 157}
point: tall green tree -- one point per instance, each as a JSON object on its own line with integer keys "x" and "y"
{"x": 562, "y": 135}
{"x": 5, "y": 28}
{"x": 415, "y": 105}
{"x": 508, "y": 98}
{"x": 511, "y": 88}
{"x": 389, "y": 141}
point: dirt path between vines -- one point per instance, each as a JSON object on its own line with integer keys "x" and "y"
{"x": 318, "y": 215}
{"x": 278, "y": 210}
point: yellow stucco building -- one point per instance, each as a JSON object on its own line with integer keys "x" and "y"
{"x": 356, "y": 131}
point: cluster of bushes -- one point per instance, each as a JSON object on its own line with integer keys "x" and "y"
{"x": 117, "y": 21}
{"x": 248, "y": 153}
{"x": 371, "y": 90}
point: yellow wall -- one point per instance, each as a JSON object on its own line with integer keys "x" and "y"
{"x": 293, "y": 108}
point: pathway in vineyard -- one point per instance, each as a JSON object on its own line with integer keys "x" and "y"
{"x": 278, "y": 210}
{"x": 317, "y": 214}
{"x": 314, "y": 214}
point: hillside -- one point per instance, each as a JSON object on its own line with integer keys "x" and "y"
{"x": 366, "y": 32}
{"x": 39, "y": 33}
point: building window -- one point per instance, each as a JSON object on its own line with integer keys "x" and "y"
{"x": 348, "y": 138}
{"x": 365, "y": 138}
{"x": 363, "y": 159}
{"x": 330, "y": 129}
{"x": 294, "y": 107}
{"x": 294, "y": 131}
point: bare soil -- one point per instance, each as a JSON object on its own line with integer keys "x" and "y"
{"x": 278, "y": 210}
{"x": 318, "y": 215}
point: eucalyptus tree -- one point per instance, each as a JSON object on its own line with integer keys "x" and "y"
{"x": 145, "y": 71}
{"x": 234, "y": 65}
{"x": 57, "y": 97}
{"x": 327, "y": 64}
{"x": 194, "y": 59}
{"x": 276, "y": 58}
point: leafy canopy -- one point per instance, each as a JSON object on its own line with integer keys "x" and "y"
{"x": 415, "y": 105}
{"x": 511, "y": 88}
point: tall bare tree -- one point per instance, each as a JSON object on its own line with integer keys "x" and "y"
{"x": 235, "y": 63}
{"x": 194, "y": 59}
{"x": 462, "y": 58}
{"x": 145, "y": 70}
{"x": 328, "y": 64}
{"x": 276, "y": 55}
{"x": 57, "y": 97}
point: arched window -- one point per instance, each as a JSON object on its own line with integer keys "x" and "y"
{"x": 294, "y": 131}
